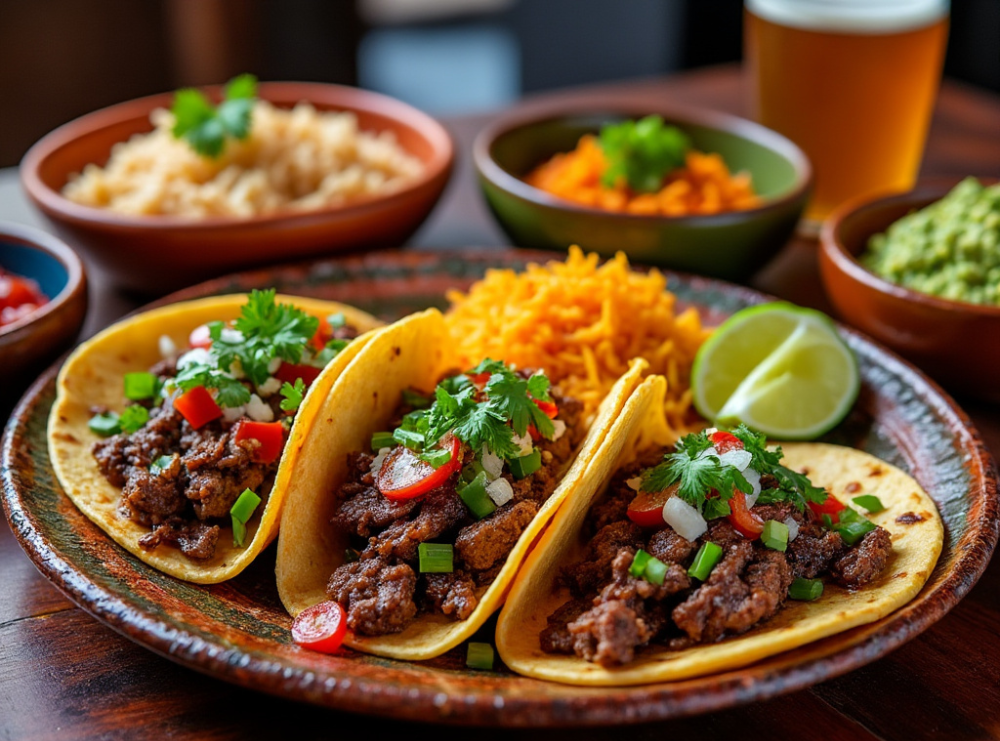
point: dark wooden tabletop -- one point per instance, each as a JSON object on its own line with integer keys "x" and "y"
{"x": 64, "y": 675}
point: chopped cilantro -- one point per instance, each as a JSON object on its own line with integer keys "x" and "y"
{"x": 642, "y": 153}
{"x": 332, "y": 350}
{"x": 205, "y": 126}
{"x": 292, "y": 395}
{"x": 133, "y": 418}
{"x": 230, "y": 392}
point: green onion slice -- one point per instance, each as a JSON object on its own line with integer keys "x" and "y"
{"x": 415, "y": 399}
{"x": 239, "y": 532}
{"x": 160, "y": 464}
{"x": 476, "y": 498}
{"x": 105, "y": 425}
{"x": 775, "y": 535}
{"x": 382, "y": 440}
{"x": 526, "y": 465}
{"x": 436, "y": 457}
{"x": 638, "y": 567}
{"x": 244, "y": 506}
{"x": 655, "y": 572}
{"x": 806, "y": 590}
{"x": 479, "y": 656}
{"x": 436, "y": 558}
{"x": 870, "y": 502}
{"x": 140, "y": 386}
{"x": 853, "y": 531}
{"x": 705, "y": 560}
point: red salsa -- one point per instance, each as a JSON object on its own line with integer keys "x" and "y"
{"x": 18, "y": 297}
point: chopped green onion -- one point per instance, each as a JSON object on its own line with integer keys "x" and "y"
{"x": 479, "y": 656}
{"x": 337, "y": 321}
{"x": 239, "y": 532}
{"x": 870, "y": 502}
{"x": 704, "y": 561}
{"x": 413, "y": 399}
{"x": 412, "y": 440}
{"x": 105, "y": 425}
{"x": 475, "y": 497}
{"x": 470, "y": 471}
{"x": 655, "y": 572}
{"x": 382, "y": 440}
{"x": 436, "y": 457}
{"x": 526, "y": 465}
{"x": 848, "y": 515}
{"x": 806, "y": 589}
{"x": 140, "y": 386}
{"x": 350, "y": 555}
{"x": 133, "y": 418}
{"x": 332, "y": 350}
{"x": 638, "y": 567}
{"x": 853, "y": 531}
{"x": 244, "y": 506}
{"x": 436, "y": 558}
{"x": 775, "y": 535}
{"x": 160, "y": 464}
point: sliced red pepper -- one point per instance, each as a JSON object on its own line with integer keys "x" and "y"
{"x": 646, "y": 509}
{"x": 200, "y": 337}
{"x": 270, "y": 435}
{"x": 832, "y": 506}
{"x": 746, "y": 522}
{"x": 197, "y": 406}
{"x": 324, "y": 333}
{"x": 321, "y": 627}
{"x": 725, "y": 441}
{"x": 549, "y": 408}
{"x": 404, "y": 476}
{"x": 289, "y": 372}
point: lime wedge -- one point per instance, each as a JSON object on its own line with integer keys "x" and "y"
{"x": 778, "y": 368}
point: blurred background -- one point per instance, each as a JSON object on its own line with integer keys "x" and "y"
{"x": 62, "y": 58}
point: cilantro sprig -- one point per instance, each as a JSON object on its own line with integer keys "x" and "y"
{"x": 642, "y": 152}
{"x": 205, "y": 126}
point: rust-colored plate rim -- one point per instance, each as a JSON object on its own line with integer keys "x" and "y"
{"x": 450, "y": 695}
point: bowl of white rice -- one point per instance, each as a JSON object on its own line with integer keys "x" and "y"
{"x": 324, "y": 168}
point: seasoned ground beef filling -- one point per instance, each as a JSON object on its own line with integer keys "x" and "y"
{"x": 613, "y": 614}
{"x": 383, "y": 591}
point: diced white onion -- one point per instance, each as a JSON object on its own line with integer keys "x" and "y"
{"x": 793, "y": 528}
{"x": 259, "y": 410}
{"x": 195, "y": 355}
{"x": 524, "y": 442}
{"x": 270, "y": 387}
{"x": 232, "y": 336}
{"x": 231, "y": 414}
{"x": 753, "y": 478}
{"x": 738, "y": 459}
{"x": 379, "y": 460}
{"x": 684, "y": 518}
{"x": 634, "y": 483}
{"x": 169, "y": 392}
{"x": 500, "y": 491}
{"x": 167, "y": 347}
{"x": 711, "y": 430}
{"x": 273, "y": 366}
{"x": 492, "y": 464}
{"x": 559, "y": 428}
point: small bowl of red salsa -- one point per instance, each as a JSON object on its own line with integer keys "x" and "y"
{"x": 43, "y": 300}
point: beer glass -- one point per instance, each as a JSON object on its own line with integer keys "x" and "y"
{"x": 853, "y": 83}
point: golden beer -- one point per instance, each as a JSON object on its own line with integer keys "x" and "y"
{"x": 853, "y": 83}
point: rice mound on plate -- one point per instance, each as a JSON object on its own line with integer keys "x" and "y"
{"x": 293, "y": 160}
{"x": 582, "y": 323}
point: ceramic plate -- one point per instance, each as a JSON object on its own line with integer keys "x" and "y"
{"x": 239, "y": 632}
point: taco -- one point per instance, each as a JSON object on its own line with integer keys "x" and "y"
{"x": 712, "y": 555}
{"x": 171, "y": 429}
{"x": 422, "y": 486}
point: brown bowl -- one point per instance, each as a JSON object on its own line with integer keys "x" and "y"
{"x": 36, "y": 339}
{"x": 156, "y": 254}
{"x": 958, "y": 343}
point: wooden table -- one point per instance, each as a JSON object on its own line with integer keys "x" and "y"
{"x": 64, "y": 675}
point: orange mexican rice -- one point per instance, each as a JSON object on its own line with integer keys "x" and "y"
{"x": 582, "y": 323}
{"x": 703, "y": 186}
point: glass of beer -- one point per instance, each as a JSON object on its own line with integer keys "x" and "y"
{"x": 853, "y": 83}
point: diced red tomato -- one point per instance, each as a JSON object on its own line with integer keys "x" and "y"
{"x": 288, "y": 372}
{"x": 832, "y": 506}
{"x": 549, "y": 408}
{"x": 321, "y": 627}
{"x": 646, "y": 509}
{"x": 18, "y": 297}
{"x": 270, "y": 435}
{"x": 200, "y": 337}
{"x": 404, "y": 476}
{"x": 479, "y": 379}
{"x": 197, "y": 406}
{"x": 725, "y": 441}
{"x": 324, "y": 333}
{"x": 746, "y": 522}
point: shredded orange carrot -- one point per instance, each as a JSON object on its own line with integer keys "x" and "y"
{"x": 582, "y": 323}
{"x": 703, "y": 186}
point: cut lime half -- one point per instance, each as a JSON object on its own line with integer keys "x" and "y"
{"x": 778, "y": 368}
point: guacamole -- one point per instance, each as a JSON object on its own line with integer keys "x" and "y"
{"x": 950, "y": 249}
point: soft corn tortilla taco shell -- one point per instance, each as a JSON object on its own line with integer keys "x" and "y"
{"x": 416, "y": 352}
{"x": 534, "y": 594}
{"x": 93, "y": 375}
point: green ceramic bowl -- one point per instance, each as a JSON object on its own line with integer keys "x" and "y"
{"x": 731, "y": 245}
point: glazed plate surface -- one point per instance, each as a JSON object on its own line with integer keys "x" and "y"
{"x": 238, "y": 631}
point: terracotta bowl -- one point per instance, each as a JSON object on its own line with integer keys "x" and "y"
{"x": 956, "y": 342}
{"x": 36, "y": 339}
{"x": 730, "y": 245}
{"x": 156, "y": 254}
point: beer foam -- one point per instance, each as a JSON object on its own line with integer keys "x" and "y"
{"x": 851, "y": 16}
